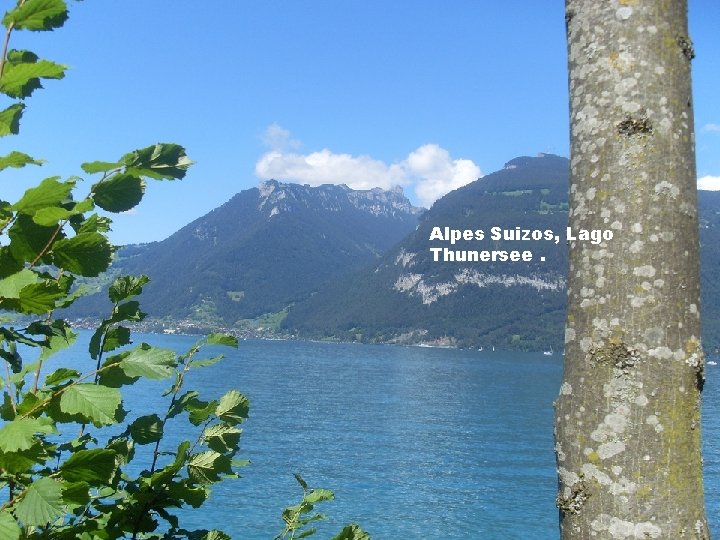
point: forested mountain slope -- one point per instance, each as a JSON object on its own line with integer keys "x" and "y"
{"x": 264, "y": 250}
{"x": 410, "y": 297}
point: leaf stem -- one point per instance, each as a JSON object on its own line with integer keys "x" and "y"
{"x": 8, "y": 224}
{"x": 47, "y": 400}
{"x": 176, "y": 390}
{"x": 8, "y": 32}
{"x": 37, "y": 376}
{"x": 10, "y": 387}
{"x": 44, "y": 250}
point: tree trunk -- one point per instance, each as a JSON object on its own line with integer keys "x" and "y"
{"x": 628, "y": 413}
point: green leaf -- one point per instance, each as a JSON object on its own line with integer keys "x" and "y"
{"x": 78, "y": 443}
{"x": 124, "y": 449}
{"x": 112, "y": 375}
{"x": 94, "y": 223}
{"x": 12, "y": 357}
{"x": 37, "y": 15}
{"x": 318, "y": 495}
{"x": 76, "y": 494}
{"x": 8, "y": 264}
{"x": 95, "y": 403}
{"x": 52, "y": 215}
{"x": 206, "y": 467}
{"x": 96, "y": 467}
{"x": 56, "y": 342}
{"x": 6, "y": 214}
{"x": 57, "y": 328}
{"x": 17, "y": 160}
{"x": 84, "y": 205}
{"x": 119, "y": 193}
{"x": 300, "y": 480}
{"x": 205, "y": 362}
{"x": 161, "y": 161}
{"x": 11, "y": 286}
{"x": 23, "y": 71}
{"x": 146, "y": 429}
{"x": 233, "y": 407}
{"x": 195, "y": 496}
{"x": 9, "y": 529}
{"x": 129, "y": 311}
{"x": 116, "y": 337}
{"x": 199, "y": 411}
{"x": 222, "y": 438}
{"x": 93, "y": 167}
{"x": 10, "y": 119}
{"x": 180, "y": 404}
{"x": 20, "y": 433}
{"x": 166, "y": 473}
{"x": 7, "y": 409}
{"x": 215, "y": 535}
{"x": 61, "y": 375}
{"x": 96, "y": 341}
{"x": 41, "y": 504}
{"x": 126, "y": 287}
{"x": 86, "y": 254}
{"x": 23, "y": 460}
{"x": 149, "y": 362}
{"x": 50, "y": 192}
{"x": 40, "y": 298}
{"x": 222, "y": 339}
{"x": 30, "y": 400}
{"x": 28, "y": 239}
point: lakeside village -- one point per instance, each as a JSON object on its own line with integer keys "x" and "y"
{"x": 258, "y": 329}
{"x": 189, "y": 327}
{"x": 446, "y": 234}
{"x": 251, "y": 330}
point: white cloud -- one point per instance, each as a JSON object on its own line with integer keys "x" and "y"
{"x": 429, "y": 170}
{"x": 276, "y": 137}
{"x": 709, "y": 183}
{"x": 711, "y": 127}
{"x": 436, "y": 173}
{"x": 325, "y": 167}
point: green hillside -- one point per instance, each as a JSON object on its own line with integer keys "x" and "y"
{"x": 409, "y": 298}
{"x": 263, "y": 250}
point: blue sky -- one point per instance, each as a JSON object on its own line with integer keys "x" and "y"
{"x": 422, "y": 93}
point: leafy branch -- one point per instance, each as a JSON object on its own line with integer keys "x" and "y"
{"x": 299, "y": 518}
{"x": 83, "y": 487}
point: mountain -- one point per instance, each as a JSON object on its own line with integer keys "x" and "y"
{"x": 263, "y": 250}
{"x": 331, "y": 262}
{"x": 408, "y": 297}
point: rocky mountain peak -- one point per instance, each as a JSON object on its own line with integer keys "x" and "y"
{"x": 276, "y": 197}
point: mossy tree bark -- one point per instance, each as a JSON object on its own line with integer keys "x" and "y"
{"x": 628, "y": 413}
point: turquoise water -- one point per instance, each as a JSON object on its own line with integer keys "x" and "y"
{"x": 415, "y": 442}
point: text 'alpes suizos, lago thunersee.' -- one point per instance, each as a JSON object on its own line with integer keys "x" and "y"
{"x": 446, "y": 234}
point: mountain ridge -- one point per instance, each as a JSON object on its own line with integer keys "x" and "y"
{"x": 408, "y": 298}
{"x": 329, "y": 262}
{"x": 264, "y": 249}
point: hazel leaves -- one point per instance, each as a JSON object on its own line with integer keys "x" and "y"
{"x": 37, "y": 15}
{"x": 123, "y": 184}
{"x": 22, "y": 71}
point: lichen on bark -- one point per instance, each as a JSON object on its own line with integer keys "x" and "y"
{"x": 627, "y": 415}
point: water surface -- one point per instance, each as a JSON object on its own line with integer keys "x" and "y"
{"x": 415, "y": 442}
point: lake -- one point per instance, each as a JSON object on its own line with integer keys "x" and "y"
{"x": 415, "y": 442}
